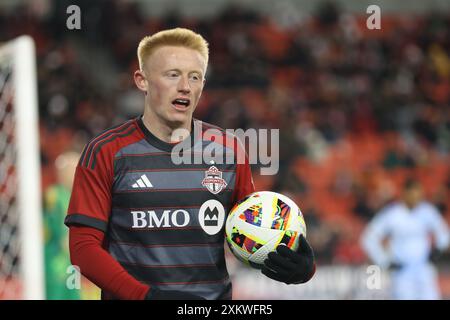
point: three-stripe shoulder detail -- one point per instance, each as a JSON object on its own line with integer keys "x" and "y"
{"x": 229, "y": 139}
{"x": 206, "y": 126}
{"x": 89, "y": 155}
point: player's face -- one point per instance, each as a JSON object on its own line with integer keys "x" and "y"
{"x": 413, "y": 196}
{"x": 175, "y": 80}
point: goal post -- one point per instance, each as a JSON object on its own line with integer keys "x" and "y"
{"x": 21, "y": 230}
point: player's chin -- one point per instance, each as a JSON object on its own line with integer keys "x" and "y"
{"x": 177, "y": 119}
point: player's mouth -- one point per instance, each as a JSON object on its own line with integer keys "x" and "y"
{"x": 181, "y": 104}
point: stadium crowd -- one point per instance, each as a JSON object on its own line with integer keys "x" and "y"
{"x": 358, "y": 110}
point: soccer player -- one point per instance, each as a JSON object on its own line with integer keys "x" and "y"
{"x": 56, "y": 201}
{"x": 145, "y": 227}
{"x": 408, "y": 224}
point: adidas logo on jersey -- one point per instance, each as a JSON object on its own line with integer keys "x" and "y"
{"x": 142, "y": 182}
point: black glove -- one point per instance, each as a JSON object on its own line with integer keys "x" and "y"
{"x": 394, "y": 266}
{"x": 435, "y": 255}
{"x": 288, "y": 266}
{"x": 157, "y": 294}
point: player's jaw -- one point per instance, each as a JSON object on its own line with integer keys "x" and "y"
{"x": 179, "y": 110}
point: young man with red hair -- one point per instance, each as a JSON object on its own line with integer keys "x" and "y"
{"x": 137, "y": 219}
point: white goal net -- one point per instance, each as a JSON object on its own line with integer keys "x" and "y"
{"x": 21, "y": 246}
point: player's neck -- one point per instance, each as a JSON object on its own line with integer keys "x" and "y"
{"x": 411, "y": 205}
{"x": 163, "y": 131}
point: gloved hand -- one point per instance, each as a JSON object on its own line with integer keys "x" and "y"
{"x": 435, "y": 255}
{"x": 157, "y": 294}
{"x": 394, "y": 266}
{"x": 291, "y": 267}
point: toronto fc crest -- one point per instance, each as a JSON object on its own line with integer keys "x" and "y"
{"x": 213, "y": 180}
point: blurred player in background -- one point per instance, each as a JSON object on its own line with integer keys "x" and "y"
{"x": 57, "y": 256}
{"x": 56, "y": 202}
{"x": 409, "y": 225}
{"x": 126, "y": 186}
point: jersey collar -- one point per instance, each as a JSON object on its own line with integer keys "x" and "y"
{"x": 162, "y": 145}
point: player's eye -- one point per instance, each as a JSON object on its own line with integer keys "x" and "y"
{"x": 173, "y": 74}
{"x": 195, "y": 77}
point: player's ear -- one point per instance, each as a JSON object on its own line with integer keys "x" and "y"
{"x": 140, "y": 80}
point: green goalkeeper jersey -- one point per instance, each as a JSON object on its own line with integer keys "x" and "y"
{"x": 57, "y": 259}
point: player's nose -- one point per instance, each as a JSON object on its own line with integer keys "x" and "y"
{"x": 183, "y": 85}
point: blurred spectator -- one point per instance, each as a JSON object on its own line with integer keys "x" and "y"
{"x": 363, "y": 208}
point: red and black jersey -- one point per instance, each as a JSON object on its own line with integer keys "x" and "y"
{"x": 163, "y": 220}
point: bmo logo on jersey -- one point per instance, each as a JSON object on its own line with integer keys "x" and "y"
{"x": 149, "y": 219}
{"x": 211, "y": 216}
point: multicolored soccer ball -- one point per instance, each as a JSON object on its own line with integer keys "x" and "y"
{"x": 259, "y": 223}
